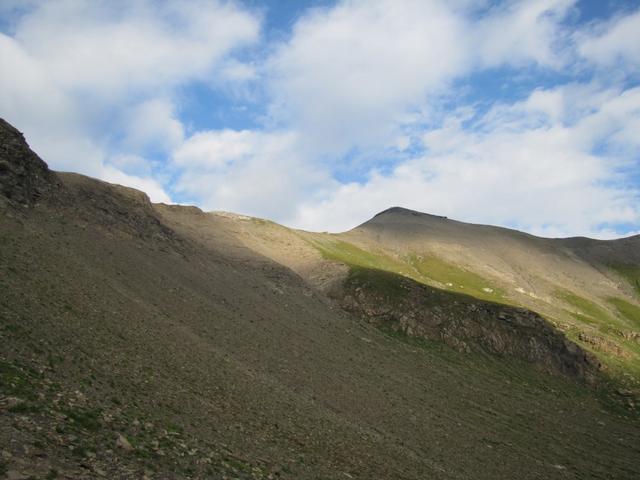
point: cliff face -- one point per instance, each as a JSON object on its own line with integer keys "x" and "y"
{"x": 24, "y": 177}
{"x": 462, "y": 322}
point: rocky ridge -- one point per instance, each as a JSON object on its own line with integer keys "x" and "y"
{"x": 24, "y": 177}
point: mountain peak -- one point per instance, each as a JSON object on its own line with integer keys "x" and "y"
{"x": 401, "y": 211}
{"x": 23, "y": 175}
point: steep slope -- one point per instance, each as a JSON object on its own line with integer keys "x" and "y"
{"x": 149, "y": 340}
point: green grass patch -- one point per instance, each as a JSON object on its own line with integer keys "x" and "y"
{"x": 425, "y": 270}
{"x": 628, "y": 310}
{"x": 349, "y": 254}
{"x": 583, "y": 307}
{"x": 455, "y": 278}
{"x": 18, "y": 381}
{"x": 84, "y": 418}
{"x": 388, "y": 285}
{"x": 631, "y": 273}
{"x": 175, "y": 428}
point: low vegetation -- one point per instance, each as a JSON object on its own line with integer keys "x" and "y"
{"x": 449, "y": 276}
{"x": 628, "y": 310}
{"x": 587, "y": 311}
{"x": 429, "y": 270}
{"x": 631, "y": 273}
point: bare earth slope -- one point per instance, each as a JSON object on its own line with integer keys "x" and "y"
{"x": 160, "y": 341}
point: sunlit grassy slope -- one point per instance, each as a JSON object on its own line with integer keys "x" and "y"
{"x": 429, "y": 270}
{"x": 631, "y": 273}
{"x": 605, "y": 326}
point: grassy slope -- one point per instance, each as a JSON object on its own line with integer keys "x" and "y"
{"x": 631, "y": 273}
{"x": 255, "y": 379}
{"x": 428, "y": 270}
{"x": 620, "y": 355}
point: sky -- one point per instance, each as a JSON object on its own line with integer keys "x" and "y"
{"x": 319, "y": 114}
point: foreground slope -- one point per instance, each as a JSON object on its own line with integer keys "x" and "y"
{"x": 141, "y": 339}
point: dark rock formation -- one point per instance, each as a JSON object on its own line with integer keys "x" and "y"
{"x": 463, "y": 322}
{"x": 24, "y": 177}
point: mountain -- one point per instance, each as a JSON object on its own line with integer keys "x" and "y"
{"x": 147, "y": 340}
{"x": 587, "y": 289}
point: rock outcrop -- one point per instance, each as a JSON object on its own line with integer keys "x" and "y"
{"x": 463, "y": 322}
{"x": 24, "y": 177}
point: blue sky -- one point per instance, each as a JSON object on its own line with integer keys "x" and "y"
{"x": 319, "y": 114}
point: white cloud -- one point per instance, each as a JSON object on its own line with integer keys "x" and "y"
{"x": 258, "y": 173}
{"x": 153, "y": 123}
{"x": 114, "y": 48}
{"x": 70, "y": 68}
{"x": 30, "y": 101}
{"x": 348, "y": 72}
{"x": 235, "y": 71}
{"x": 211, "y": 149}
{"x": 542, "y": 177}
{"x": 613, "y": 42}
{"x": 522, "y": 32}
{"x": 616, "y": 122}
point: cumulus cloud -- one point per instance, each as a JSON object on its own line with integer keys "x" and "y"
{"x": 153, "y": 123}
{"x": 72, "y": 68}
{"x": 116, "y": 47}
{"x": 541, "y": 176}
{"x": 614, "y": 42}
{"x": 247, "y": 172}
{"x": 348, "y": 72}
{"x": 522, "y": 32}
{"x": 214, "y": 149}
{"x": 349, "y": 75}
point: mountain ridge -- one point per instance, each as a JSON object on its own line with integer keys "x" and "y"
{"x": 407, "y": 212}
